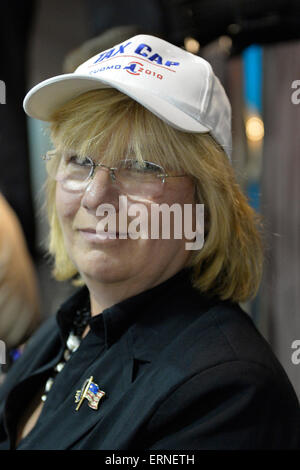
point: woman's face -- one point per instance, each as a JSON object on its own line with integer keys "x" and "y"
{"x": 121, "y": 259}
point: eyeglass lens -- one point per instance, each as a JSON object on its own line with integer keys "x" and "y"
{"x": 131, "y": 176}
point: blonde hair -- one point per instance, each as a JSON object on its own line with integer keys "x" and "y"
{"x": 110, "y": 123}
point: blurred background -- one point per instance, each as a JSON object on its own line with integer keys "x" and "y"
{"x": 254, "y": 48}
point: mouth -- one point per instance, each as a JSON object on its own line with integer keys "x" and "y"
{"x": 94, "y": 235}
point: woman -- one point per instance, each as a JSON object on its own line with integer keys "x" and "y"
{"x": 153, "y": 351}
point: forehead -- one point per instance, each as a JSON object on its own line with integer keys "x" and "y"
{"x": 108, "y": 141}
{"x": 109, "y": 126}
{"x": 119, "y": 149}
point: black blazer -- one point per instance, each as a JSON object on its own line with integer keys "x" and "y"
{"x": 180, "y": 371}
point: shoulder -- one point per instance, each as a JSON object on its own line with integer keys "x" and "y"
{"x": 240, "y": 338}
{"x": 220, "y": 333}
{"x": 227, "y": 389}
{"x": 221, "y": 348}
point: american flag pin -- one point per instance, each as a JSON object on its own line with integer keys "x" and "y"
{"x": 91, "y": 392}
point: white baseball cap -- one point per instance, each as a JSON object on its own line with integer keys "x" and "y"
{"x": 177, "y": 86}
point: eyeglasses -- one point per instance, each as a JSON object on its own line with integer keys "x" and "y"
{"x": 130, "y": 176}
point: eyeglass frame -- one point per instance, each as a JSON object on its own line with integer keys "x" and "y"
{"x": 47, "y": 157}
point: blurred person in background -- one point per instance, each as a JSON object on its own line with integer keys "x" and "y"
{"x": 19, "y": 298}
{"x": 153, "y": 351}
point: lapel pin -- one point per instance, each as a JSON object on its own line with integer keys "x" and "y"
{"x": 91, "y": 392}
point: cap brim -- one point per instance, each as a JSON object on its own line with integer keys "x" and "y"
{"x": 43, "y": 99}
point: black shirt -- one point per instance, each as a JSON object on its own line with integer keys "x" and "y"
{"x": 180, "y": 370}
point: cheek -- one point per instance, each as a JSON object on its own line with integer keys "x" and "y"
{"x": 181, "y": 197}
{"x": 67, "y": 204}
{"x": 180, "y": 191}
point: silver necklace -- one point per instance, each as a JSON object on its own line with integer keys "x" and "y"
{"x": 80, "y": 322}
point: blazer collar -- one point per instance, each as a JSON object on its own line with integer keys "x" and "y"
{"x": 115, "y": 320}
{"x": 151, "y": 318}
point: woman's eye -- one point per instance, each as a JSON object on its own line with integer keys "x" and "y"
{"x": 75, "y": 160}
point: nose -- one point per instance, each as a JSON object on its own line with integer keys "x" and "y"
{"x": 101, "y": 189}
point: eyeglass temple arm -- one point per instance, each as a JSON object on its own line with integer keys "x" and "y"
{"x": 48, "y": 155}
{"x": 171, "y": 176}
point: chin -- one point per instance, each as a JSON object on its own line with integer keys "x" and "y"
{"x": 102, "y": 268}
